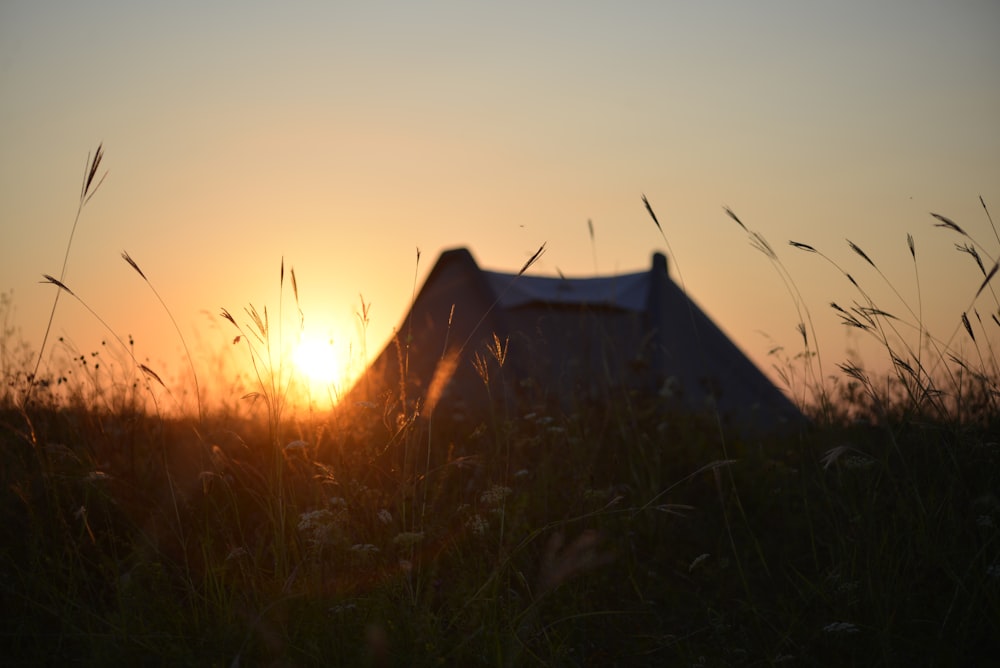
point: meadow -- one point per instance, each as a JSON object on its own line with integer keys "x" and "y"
{"x": 247, "y": 531}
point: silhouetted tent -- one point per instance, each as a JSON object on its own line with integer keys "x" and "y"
{"x": 565, "y": 343}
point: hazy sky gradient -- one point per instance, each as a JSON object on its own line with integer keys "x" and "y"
{"x": 343, "y": 136}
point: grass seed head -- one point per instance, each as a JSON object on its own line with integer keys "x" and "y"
{"x": 652, "y": 215}
{"x": 128, "y": 258}
{"x": 731, "y": 214}
{"x": 968, "y": 327}
{"x": 864, "y": 256}
{"x": 948, "y": 223}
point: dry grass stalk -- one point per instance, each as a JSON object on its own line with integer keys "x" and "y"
{"x": 87, "y": 190}
{"x": 187, "y": 351}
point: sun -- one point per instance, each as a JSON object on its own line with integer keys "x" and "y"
{"x": 316, "y": 360}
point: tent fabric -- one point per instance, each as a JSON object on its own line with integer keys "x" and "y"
{"x": 568, "y": 342}
{"x": 628, "y": 291}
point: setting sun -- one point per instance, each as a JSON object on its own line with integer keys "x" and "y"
{"x": 316, "y": 360}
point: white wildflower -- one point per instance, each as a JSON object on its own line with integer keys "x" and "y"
{"x": 478, "y": 525}
{"x": 384, "y": 516}
{"x": 310, "y": 520}
{"x": 366, "y": 548}
{"x": 236, "y": 553}
{"x": 856, "y": 462}
{"x": 858, "y": 459}
{"x": 408, "y": 538}
{"x": 321, "y": 527}
{"x": 848, "y": 587}
{"x": 495, "y": 495}
{"x": 840, "y": 627}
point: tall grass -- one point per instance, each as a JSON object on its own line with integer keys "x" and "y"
{"x": 597, "y": 535}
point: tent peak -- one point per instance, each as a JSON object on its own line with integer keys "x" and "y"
{"x": 659, "y": 262}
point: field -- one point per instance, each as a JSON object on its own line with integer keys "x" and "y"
{"x": 614, "y": 535}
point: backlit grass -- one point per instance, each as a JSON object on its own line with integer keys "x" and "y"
{"x": 244, "y": 531}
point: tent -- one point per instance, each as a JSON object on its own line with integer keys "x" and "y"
{"x": 475, "y": 338}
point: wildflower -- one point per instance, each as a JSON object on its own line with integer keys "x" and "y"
{"x": 366, "y": 548}
{"x": 408, "y": 538}
{"x": 834, "y": 454}
{"x": 338, "y": 502}
{"x": 384, "y": 516}
{"x": 848, "y": 587}
{"x": 495, "y": 495}
{"x": 856, "y": 462}
{"x": 236, "y": 553}
{"x": 321, "y": 527}
{"x": 840, "y": 627}
{"x": 478, "y": 525}
{"x": 311, "y": 519}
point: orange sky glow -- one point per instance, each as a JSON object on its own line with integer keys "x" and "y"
{"x": 340, "y": 138}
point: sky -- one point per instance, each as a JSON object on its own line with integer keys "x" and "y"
{"x": 342, "y": 137}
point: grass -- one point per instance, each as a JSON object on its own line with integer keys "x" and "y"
{"x": 612, "y": 535}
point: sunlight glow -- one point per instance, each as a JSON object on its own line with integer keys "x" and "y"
{"x": 317, "y": 361}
